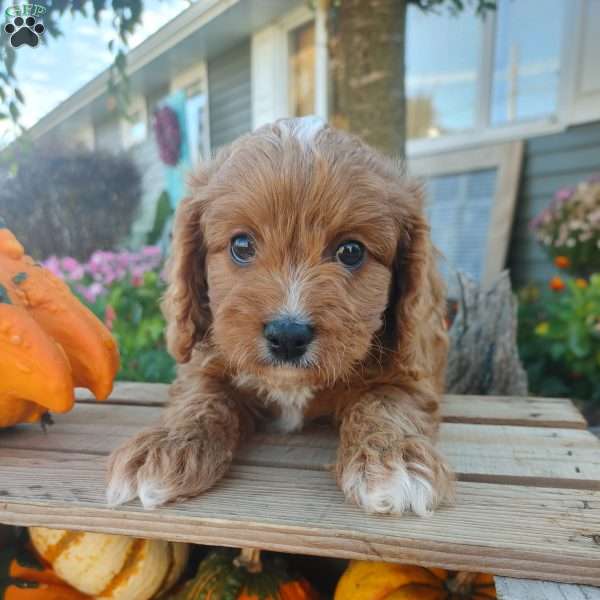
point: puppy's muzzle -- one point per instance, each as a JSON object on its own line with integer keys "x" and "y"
{"x": 288, "y": 339}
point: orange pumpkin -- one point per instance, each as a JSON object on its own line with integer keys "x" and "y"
{"x": 364, "y": 580}
{"x": 222, "y": 576}
{"x": 49, "y": 341}
{"x": 24, "y": 577}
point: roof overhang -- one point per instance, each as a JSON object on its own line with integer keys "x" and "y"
{"x": 201, "y": 32}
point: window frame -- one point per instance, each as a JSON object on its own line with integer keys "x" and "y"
{"x": 484, "y": 132}
{"x": 294, "y": 20}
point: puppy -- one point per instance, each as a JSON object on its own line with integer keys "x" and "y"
{"x": 302, "y": 283}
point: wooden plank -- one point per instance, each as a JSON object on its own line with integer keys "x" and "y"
{"x": 506, "y": 530}
{"x": 503, "y": 210}
{"x": 506, "y": 410}
{"x": 486, "y": 453}
{"x": 128, "y": 392}
{"x": 523, "y": 589}
{"x": 535, "y": 412}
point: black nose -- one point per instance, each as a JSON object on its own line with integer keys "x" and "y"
{"x": 288, "y": 339}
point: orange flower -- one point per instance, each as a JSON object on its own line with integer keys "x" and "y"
{"x": 562, "y": 262}
{"x": 581, "y": 283}
{"x": 557, "y": 284}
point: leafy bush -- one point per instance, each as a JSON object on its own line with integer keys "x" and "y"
{"x": 569, "y": 229}
{"x": 123, "y": 289}
{"x": 69, "y": 202}
{"x": 559, "y": 338}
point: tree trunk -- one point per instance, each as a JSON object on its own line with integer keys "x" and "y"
{"x": 484, "y": 356}
{"x": 366, "y": 49}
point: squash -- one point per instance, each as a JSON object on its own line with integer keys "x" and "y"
{"x": 111, "y": 567}
{"x": 222, "y": 576}
{"x": 82, "y": 340}
{"x": 364, "y": 580}
{"x": 24, "y": 577}
{"x": 35, "y": 374}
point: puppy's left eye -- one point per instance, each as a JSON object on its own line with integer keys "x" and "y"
{"x": 350, "y": 254}
{"x": 242, "y": 249}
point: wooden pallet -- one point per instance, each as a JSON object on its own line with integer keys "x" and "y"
{"x": 528, "y": 495}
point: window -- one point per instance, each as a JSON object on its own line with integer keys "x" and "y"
{"x": 526, "y": 60}
{"x": 465, "y": 73}
{"x": 442, "y": 60}
{"x": 196, "y": 117}
{"x": 302, "y": 70}
{"x": 136, "y": 128}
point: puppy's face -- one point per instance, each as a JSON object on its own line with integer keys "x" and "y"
{"x": 286, "y": 257}
{"x": 300, "y": 241}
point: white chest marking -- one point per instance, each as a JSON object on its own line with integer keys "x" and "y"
{"x": 291, "y": 402}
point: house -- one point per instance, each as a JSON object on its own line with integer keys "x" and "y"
{"x": 475, "y": 89}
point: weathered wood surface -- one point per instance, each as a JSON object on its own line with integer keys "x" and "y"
{"x": 522, "y": 589}
{"x": 493, "y": 410}
{"x": 539, "y": 456}
{"x": 528, "y": 498}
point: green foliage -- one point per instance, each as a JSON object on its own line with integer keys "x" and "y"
{"x": 559, "y": 339}
{"x": 164, "y": 210}
{"x": 132, "y": 309}
{"x": 68, "y": 201}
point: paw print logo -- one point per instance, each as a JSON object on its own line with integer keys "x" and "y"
{"x": 24, "y": 31}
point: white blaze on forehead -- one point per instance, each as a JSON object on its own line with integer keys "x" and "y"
{"x": 304, "y": 129}
{"x": 293, "y": 306}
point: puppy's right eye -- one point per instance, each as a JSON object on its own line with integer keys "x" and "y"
{"x": 242, "y": 249}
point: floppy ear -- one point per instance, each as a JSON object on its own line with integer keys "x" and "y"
{"x": 415, "y": 318}
{"x": 185, "y": 304}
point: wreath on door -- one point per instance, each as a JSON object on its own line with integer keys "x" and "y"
{"x": 168, "y": 135}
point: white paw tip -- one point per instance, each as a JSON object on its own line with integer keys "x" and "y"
{"x": 151, "y": 494}
{"x": 399, "y": 493}
{"x": 119, "y": 492}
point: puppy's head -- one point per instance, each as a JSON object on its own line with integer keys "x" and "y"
{"x": 302, "y": 257}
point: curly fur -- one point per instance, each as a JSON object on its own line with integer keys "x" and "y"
{"x": 377, "y": 363}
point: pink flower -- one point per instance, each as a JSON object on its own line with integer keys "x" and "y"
{"x": 109, "y": 316}
{"x": 564, "y": 193}
{"x": 53, "y": 265}
{"x": 151, "y": 251}
{"x": 92, "y": 292}
{"x": 137, "y": 280}
{"x": 69, "y": 263}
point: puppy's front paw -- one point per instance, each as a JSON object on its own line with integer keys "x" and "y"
{"x": 160, "y": 466}
{"x": 413, "y": 478}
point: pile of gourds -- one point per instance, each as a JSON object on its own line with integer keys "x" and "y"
{"x": 49, "y": 341}
{"x": 71, "y": 565}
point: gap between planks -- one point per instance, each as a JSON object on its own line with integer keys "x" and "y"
{"x": 493, "y": 410}
{"x": 486, "y": 453}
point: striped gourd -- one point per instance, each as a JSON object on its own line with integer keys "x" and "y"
{"x": 111, "y": 567}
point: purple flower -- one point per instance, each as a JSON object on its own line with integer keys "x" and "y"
{"x": 153, "y": 251}
{"x": 92, "y": 292}
{"x": 52, "y": 263}
{"x": 564, "y": 193}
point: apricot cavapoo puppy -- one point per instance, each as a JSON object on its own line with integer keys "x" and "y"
{"x": 302, "y": 283}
